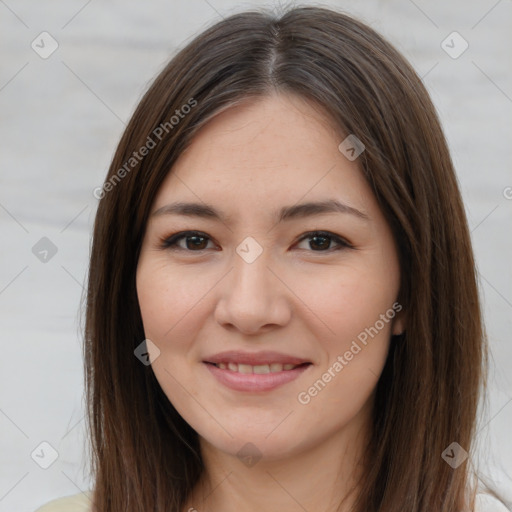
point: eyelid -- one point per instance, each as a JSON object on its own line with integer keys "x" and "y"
{"x": 169, "y": 242}
{"x": 336, "y": 238}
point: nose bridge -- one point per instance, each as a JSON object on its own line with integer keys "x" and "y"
{"x": 250, "y": 273}
{"x": 253, "y": 296}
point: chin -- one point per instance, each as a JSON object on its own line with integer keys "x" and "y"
{"x": 259, "y": 444}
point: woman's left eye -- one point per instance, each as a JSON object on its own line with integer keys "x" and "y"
{"x": 195, "y": 241}
{"x": 322, "y": 240}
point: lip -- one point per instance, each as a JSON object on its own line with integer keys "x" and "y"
{"x": 254, "y": 381}
{"x": 254, "y": 358}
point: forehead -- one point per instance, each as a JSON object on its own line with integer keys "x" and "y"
{"x": 271, "y": 149}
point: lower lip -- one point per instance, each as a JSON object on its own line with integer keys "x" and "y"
{"x": 255, "y": 381}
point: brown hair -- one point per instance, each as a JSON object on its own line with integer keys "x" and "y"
{"x": 144, "y": 455}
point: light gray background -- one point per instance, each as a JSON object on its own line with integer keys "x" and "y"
{"x": 61, "y": 118}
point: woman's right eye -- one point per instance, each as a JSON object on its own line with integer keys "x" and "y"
{"x": 194, "y": 241}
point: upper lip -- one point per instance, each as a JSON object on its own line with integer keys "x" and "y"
{"x": 253, "y": 358}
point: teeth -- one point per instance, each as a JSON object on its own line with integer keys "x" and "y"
{"x": 261, "y": 368}
{"x": 244, "y": 368}
{"x": 258, "y": 369}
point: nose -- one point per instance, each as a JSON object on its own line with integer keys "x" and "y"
{"x": 253, "y": 297}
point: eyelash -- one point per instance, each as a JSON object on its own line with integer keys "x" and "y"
{"x": 170, "y": 242}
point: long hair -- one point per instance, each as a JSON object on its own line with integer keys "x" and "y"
{"x": 144, "y": 456}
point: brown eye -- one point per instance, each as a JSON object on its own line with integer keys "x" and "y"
{"x": 193, "y": 241}
{"x": 320, "y": 241}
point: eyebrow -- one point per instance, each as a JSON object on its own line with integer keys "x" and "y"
{"x": 286, "y": 213}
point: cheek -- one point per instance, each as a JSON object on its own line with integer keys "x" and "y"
{"x": 172, "y": 311}
{"x": 354, "y": 357}
{"x": 355, "y": 307}
{"x": 348, "y": 300}
{"x": 169, "y": 300}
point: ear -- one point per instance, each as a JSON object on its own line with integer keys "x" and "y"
{"x": 399, "y": 323}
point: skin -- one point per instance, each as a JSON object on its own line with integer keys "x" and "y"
{"x": 298, "y": 297}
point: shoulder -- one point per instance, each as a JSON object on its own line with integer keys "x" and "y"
{"x": 81, "y": 502}
{"x": 487, "y": 503}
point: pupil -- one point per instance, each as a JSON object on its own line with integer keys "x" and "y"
{"x": 196, "y": 243}
{"x": 324, "y": 246}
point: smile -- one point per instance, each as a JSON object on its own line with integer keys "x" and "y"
{"x": 258, "y": 369}
{"x": 255, "y": 378}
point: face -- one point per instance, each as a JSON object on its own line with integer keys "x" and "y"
{"x": 269, "y": 317}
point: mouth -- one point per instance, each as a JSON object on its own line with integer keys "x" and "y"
{"x": 255, "y": 372}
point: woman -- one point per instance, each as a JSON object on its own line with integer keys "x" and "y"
{"x": 282, "y": 308}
